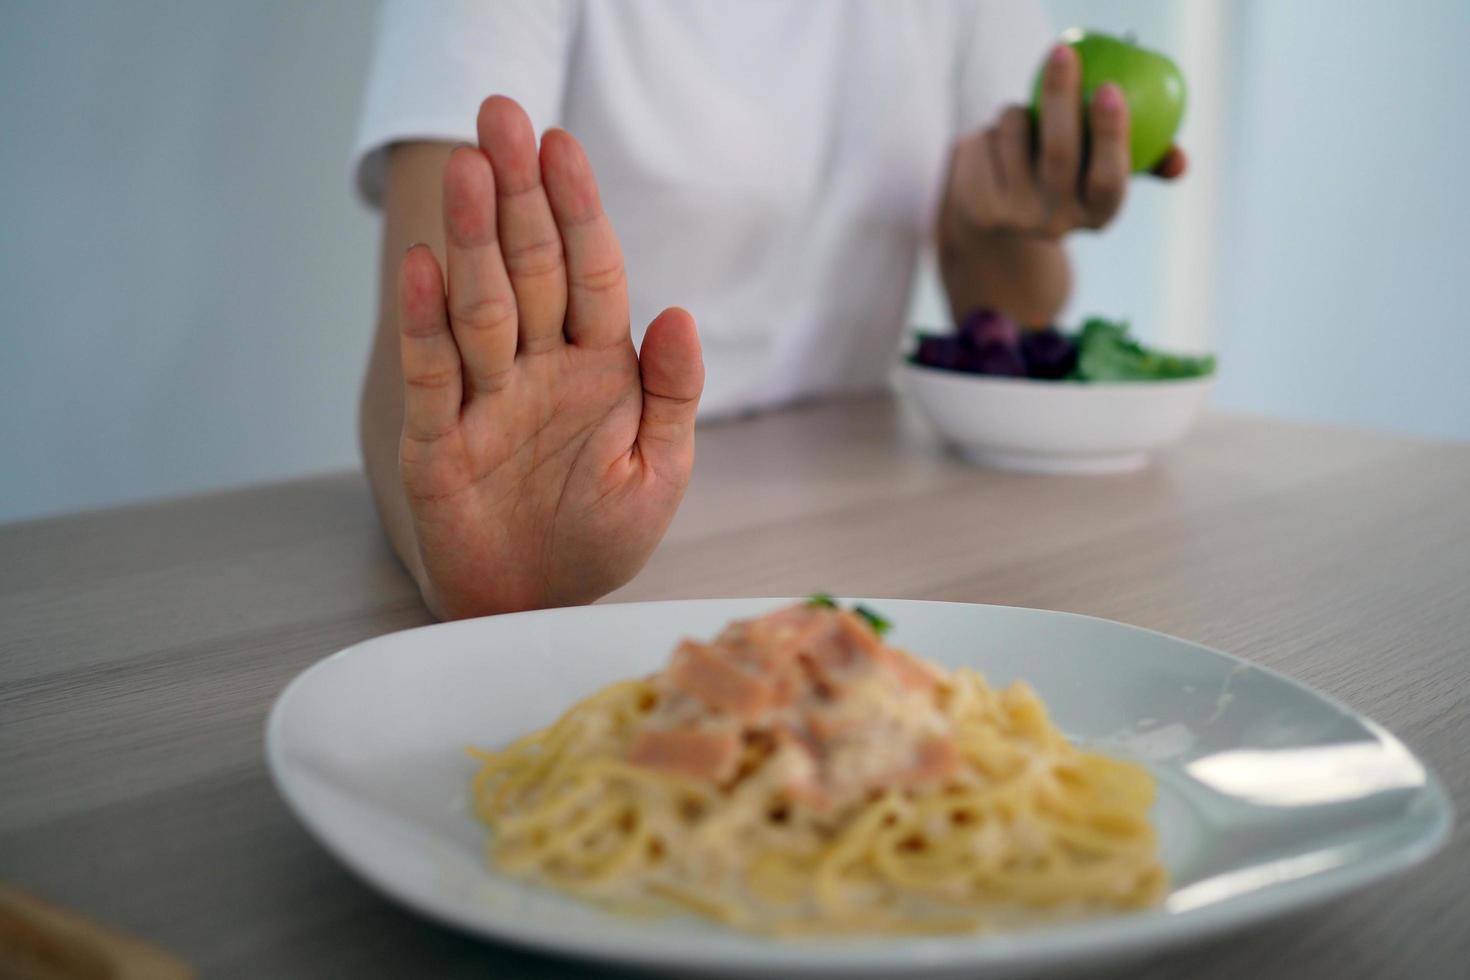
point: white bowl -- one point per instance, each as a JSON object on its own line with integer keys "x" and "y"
{"x": 1054, "y": 426}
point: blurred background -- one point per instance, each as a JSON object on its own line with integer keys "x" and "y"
{"x": 187, "y": 281}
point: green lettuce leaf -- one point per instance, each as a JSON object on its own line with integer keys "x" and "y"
{"x": 1105, "y": 352}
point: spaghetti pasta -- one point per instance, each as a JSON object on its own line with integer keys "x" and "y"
{"x": 799, "y": 775}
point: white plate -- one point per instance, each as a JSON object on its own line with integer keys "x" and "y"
{"x": 1271, "y": 796}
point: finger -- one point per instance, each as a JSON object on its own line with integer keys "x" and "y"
{"x": 482, "y": 307}
{"x": 1013, "y": 140}
{"x": 1004, "y": 210}
{"x": 977, "y": 183}
{"x": 673, "y": 378}
{"x": 529, "y": 241}
{"x": 1013, "y": 143}
{"x": 1061, "y": 129}
{"x": 1173, "y": 166}
{"x": 597, "y": 287}
{"x": 431, "y": 367}
{"x": 1109, "y": 166}
{"x": 995, "y": 162}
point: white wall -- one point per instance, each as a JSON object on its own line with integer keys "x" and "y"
{"x": 184, "y": 276}
{"x": 1347, "y": 232}
{"x": 185, "y": 279}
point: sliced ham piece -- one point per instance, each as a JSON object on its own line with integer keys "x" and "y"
{"x": 842, "y": 712}
{"x": 693, "y": 752}
{"x": 911, "y": 672}
{"x": 934, "y": 759}
{"x": 707, "y": 673}
{"x": 847, "y": 647}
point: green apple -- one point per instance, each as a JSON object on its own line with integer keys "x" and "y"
{"x": 1151, "y": 83}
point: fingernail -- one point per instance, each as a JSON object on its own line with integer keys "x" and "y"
{"x": 1061, "y": 54}
{"x": 412, "y": 247}
{"x": 1108, "y": 98}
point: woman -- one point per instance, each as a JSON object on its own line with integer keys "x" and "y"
{"x": 776, "y": 165}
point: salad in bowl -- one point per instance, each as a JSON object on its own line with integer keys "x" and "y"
{"x": 1047, "y": 400}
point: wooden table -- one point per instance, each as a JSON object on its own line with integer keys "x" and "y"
{"x": 142, "y": 648}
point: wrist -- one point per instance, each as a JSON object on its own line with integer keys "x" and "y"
{"x": 1023, "y": 274}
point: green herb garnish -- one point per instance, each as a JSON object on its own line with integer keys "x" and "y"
{"x": 876, "y": 623}
{"x": 880, "y": 625}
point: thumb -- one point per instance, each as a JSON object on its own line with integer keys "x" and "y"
{"x": 1173, "y": 165}
{"x": 673, "y": 377}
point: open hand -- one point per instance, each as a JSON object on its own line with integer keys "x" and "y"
{"x": 542, "y": 456}
{"x": 1005, "y": 181}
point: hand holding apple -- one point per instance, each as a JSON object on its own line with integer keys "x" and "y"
{"x": 1068, "y": 170}
{"x": 1151, "y": 84}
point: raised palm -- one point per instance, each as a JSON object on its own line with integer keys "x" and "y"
{"x": 542, "y": 456}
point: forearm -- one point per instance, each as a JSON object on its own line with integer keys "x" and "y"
{"x": 411, "y": 214}
{"x": 1025, "y": 276}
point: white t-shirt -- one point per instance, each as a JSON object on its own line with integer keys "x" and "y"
{"x": 774, "y": 167}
